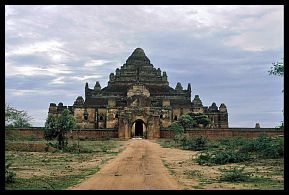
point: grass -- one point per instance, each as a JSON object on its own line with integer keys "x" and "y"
{"x": 58, "y": 169}
{"x": 170, "y": 169}
{"x": 167, "y": 143}
{"x": 235, "y": 174}
{"x": 200, "y": 187}
{"x": 49, "y": 182}
{"x": 263, "y": 158}
{"x": 193, "y": 173}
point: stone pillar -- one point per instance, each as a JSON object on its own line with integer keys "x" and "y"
{"x": 257, "y": 126}
{"x": 156, "y": 127}
{"x": 121, "y": 128}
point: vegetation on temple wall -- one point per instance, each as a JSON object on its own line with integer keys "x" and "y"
{"x": 186, "y": 121}
{"x": 200, "y": 118}
{"x": 58, "y": 126}
{"x": 176, "y": 128}
{"x": 190, "y": 120}
{"x": 16, "y": 118}
{"x": 182, "y": 139}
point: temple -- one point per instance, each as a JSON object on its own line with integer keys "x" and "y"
{"x": 138, "y": 101}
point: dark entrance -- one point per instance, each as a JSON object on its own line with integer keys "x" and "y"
{"x": 138, "y": 128}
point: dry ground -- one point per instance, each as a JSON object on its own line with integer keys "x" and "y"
{"x": 58, "y": 170}
{"x": 191, "y": 175}
{"x": 139, "y": 167}
{"x": 139, "y": 164}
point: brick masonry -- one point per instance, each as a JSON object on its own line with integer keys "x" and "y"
{"x": 227, "y": 132}
{"x": 94, "y": 134}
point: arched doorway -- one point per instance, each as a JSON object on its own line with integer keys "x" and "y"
{"x": 138, "y": 129}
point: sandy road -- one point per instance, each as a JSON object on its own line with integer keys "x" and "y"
{"x": 138, "y": 167}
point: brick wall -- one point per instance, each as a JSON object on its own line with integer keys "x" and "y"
{"x": 90, "y": 134}
{"x": 227, "y": 132}
{"x": 93, "y": 134}
{"x": 25, "y": 132}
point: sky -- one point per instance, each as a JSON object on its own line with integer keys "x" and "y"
{"x": 224, "y": 51}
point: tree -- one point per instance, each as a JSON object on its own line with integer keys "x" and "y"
{"x": 186, "y": 121}
{"x": 58, "y": 126}
{"x": 176, "y": 128}
{"x": 200, "y": 119}
{"x": 277, "y": 69}
{"x": 16, "y": 118}
{"x": 50, "y": 130}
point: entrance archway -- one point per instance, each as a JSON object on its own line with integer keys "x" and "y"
{"x": 138, "y": 129}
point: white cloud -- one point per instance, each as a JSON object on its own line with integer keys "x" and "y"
{"x": 83, "y": 78}
{"x": 31, "y": 92}
{"x": 44, "y": 46}
{"x": 54, "y": 49}
{"x": 26, "y": 70}
{"x": 93, "y": 63}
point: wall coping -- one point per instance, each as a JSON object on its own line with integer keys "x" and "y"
{"x": 230, "y": 129}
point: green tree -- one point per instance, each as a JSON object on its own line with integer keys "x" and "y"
{"x": 176, "y": 128}
{"x": 277, "y": 69}
{"x": 200, "y": 119}
{"x": 58, "y": 126}
{"x": 51, "y": 128}
{"x": 186, "y": 121}
{"x": 16, "y": 118}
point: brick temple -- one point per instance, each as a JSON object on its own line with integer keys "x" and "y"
{"x": 138, "y": 101}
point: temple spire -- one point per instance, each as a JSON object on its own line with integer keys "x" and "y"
{"x": 139, "y": 56}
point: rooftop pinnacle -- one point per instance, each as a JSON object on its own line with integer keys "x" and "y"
{"x": 138, "y": 55}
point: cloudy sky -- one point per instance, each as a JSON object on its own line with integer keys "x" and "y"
{"x": 225, "y": 52}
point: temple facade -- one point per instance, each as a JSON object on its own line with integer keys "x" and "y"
{"x": 138, "y": 101}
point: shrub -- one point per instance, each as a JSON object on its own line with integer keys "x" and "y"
{"x": 200, "y": 143}
{"x": 73, "y": 148}
{"x": 273, "y": 151}
{"x": 31, "y": 138}
{"x": 233, "y": 142}
{"x": 9, "y": 175}
{"x": 176, "y": 128}
{"x": 188, "y": 143}
{"x": 181, "y": 138}
{"x": 265, "y": 146}
{"x": 234, "y": 175}
{"x": 204, "y": 159}
{"x": 224, "y": 157}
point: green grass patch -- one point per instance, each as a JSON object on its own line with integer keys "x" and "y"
{"x": 198, "y": 187}
{"x": 59, "y": 169}
{"x": 235, "y": 174}
{"x": 193, "y": 173}
{"x": 170, "y": 169}
{"x": 48, "y": 182}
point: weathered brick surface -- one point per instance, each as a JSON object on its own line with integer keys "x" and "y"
{"x": 228, "y": 132}
{"x": 90, "y": 134}
{"x": 93, "y": 134}
{"x": 25, "y": 132}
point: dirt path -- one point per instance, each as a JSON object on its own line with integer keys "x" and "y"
{"x": 138, "y": 167}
